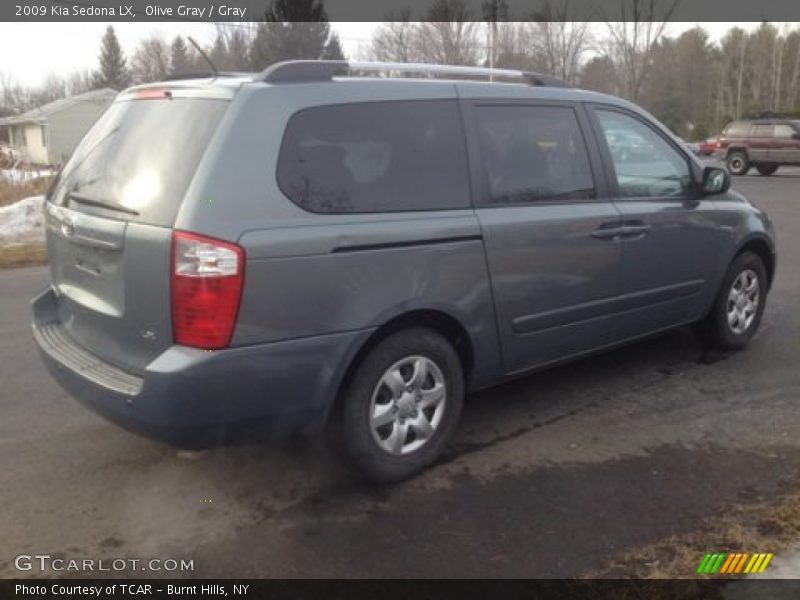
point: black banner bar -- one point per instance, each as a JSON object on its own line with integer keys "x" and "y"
{"x": 73, "y": 589}
{"x": 419, "y": 10}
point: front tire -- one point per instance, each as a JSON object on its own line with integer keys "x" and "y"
{"x": 739, "y": 305}
{"x": 738, "y": 163}
{"x": 402, "y": 405}
{"x": 767, "y": 170}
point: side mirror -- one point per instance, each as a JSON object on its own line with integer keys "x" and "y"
{"x": 715, "y": 180}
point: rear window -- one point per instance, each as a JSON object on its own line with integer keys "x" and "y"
{"x": 140, "y": 156}
{"x": 375, "y": 157}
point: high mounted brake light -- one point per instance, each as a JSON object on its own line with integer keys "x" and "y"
{"x": 152, "y": 94}
{"x": 207, "y": 282}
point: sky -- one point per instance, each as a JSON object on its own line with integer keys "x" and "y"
{"x": 39, "y": 49}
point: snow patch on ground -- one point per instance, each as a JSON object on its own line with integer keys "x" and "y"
{"x": 22, "y": 222}
{"x": 24, "y": 175}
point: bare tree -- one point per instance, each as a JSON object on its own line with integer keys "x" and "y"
{"x": 562, "y": 41}
{"x": 740, "y": 74}
{"x": 13, "y": 97}
{"x": 777, "y": 71}
{"x": 449, "y": 37}
{"x": 151, "y": 60}
{"x": 761, "y": 63}
{"x": 631, "y": 40}
{"x": 393, "y": 41}
{"x": 515, "y": 45}
{"x": 791, "y": 93}
{"x": 79, "y": 81}
{"x": 53, "y": 87}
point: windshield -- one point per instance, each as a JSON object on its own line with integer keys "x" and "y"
{"x": 138, "y": 159}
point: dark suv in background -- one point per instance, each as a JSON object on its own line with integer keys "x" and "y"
{"x": 765, "y": 144}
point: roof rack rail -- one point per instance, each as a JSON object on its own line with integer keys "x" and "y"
{"x": 769, "y": 115}
{"x": 205, "y": 75}
{"x": 295, "y": 71}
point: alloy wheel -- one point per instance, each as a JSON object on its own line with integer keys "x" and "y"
{"x": 407, "y": 405}
{"x": 743, "y": 300}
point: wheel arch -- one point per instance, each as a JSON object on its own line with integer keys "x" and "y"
{"x": 762, "y": 248}
{"x": 732, "y": 149}
{"x": 438, "y": 320}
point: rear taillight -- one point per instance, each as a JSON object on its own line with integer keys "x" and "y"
{"x": 207, "y": 281}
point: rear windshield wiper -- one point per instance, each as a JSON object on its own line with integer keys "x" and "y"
{"x": 89, "y": 201}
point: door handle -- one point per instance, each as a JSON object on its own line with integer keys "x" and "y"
{"x": 627, "y": 231}
{"x": 606, "y": 233}
{"x": 634, "y": 230}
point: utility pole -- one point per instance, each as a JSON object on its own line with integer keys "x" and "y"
{"x": 493, "y": 11}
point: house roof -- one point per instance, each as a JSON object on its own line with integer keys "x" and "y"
{"x": 41, "y": 113}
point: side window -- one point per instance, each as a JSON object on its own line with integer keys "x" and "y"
{"x": 784, "y": 131}
{"x": 646, "y": 164}
{"x": 762, "y": 131}
{"x": 533, "y": 153}
{"x": 737, "y": 130}
{"x": 375, "y": 157}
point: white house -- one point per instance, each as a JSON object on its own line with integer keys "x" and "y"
{"x": 47, "y": 135}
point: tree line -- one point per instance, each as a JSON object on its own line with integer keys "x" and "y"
{"x": 289, "y": 29}
{"x": 691, "y": 83}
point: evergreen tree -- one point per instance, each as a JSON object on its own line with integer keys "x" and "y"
{"x": 113, "y": 72}
{"x": 293, "y": 29}
{"x": 260, "y": 51}
{"x": 219, "y": 54}
{"x": 238, "y": 52}
{"x": 179, "y": 57}
{"x": 333, "y": 49}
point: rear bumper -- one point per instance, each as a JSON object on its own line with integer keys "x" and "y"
{"x": 192, "y": 398}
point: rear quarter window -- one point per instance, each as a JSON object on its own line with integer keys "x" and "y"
{"x": 375, "y": 157}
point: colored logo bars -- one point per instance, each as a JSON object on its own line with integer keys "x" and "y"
{"x": 722, "y": 563}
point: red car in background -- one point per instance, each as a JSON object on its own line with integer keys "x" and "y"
{"x": 707, "y": 147}
{"x": 703, "y": 147}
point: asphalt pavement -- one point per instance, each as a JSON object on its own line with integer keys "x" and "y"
{"x": 549, "y": 476}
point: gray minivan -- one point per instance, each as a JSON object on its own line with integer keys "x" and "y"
{"x": 257, "y": 252}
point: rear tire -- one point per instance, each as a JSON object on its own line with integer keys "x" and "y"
{"x": 402, "y": 405}
{"x": 767, "y": 170}
{"x": 739, "y": 305}
{"x": 738, "y": 163}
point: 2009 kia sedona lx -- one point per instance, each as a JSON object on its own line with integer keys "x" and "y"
{"x": 258, "y": 250}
